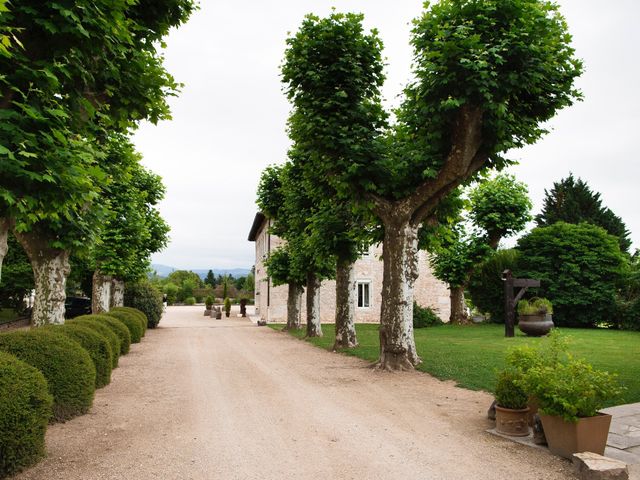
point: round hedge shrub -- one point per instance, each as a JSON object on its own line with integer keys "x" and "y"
{"x": 146, "y": 298}
{"x": 67, "y": 367}
{"x": 135, "y": 312}
{"x": 25, "y": 408}
{"x": 102, "y": 329}
{"x": 131, "y": 322}
{"x": 424, "y": 317}
{"x": 95, "y": 344}
{"x": 190, "y": 301}
{"x": 117, "y": 327}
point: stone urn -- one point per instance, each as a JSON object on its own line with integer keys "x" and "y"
{"x": 536, "y": 325}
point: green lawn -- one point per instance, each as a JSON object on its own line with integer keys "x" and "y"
{"x": 7, "y": 315}
{"x": 471, "y": 354}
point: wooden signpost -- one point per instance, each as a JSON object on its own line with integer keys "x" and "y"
{"x": 510, "y": 301}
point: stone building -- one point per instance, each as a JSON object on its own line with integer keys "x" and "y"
{"x": 271, "y": 301}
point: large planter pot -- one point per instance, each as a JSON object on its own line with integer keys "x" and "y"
{"x": 588, "y": 434}
{"x": 535, "y": 325}
{"x": 512, "y": 422}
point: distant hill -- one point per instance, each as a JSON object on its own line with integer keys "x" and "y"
{"x": 165, "y": 270}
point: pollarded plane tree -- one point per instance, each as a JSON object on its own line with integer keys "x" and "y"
{"x": 75, "y": 74}
{"x": 486, "y": 75}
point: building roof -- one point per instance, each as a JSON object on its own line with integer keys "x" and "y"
{"x": 257, "y": 223}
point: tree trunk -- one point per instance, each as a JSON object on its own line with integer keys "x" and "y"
{"x": 294, "y": 297}
{"x": 314, "y": 328}
{"x": 50, "y": 270}
{"x": 5, "y": 228}
{"x": 400, "y": 259}
{"x": 117, "y": 293}
{"x": 345, "y": 305}
{"x": 101, "y": 293}
{"x": 458, "y": 306}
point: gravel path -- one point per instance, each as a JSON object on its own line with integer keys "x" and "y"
{"x": 225, "y": 399}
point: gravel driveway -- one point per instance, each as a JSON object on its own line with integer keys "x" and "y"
{"x": 225, "y": 399}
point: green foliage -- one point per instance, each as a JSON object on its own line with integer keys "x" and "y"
{"x": 454, "y": 261}
{"x": 117, "y": 327}
{"x": 572, "y": 201}
{"x": 535, "y": 306}
{"x": 424, "y": 317}
{"x": 227, "y": 306}
{"x": 171, "y": 290}
{"x": 508, "y": 392}
{"x": 17, "y": 277}
{"x": 579, "y": 267}
{"x": 147, "y": 299}
{"x": 132, "y": 323}
{"x": 486, "y": 286}
{"x": 96, "y": 345}
{"x": 67, "y": 366}
{"x": 210, "y": 279}
{"x": 25, "y": 408}
{"x": 102, "y": 329}
{"x": 137, "y": 313}
{"x": 209, "y": 302}
{"x": 190, "y": 301}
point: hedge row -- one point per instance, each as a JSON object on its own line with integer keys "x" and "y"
{"x": 52, "y": 373}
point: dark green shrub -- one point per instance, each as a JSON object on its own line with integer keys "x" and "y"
{"x": 628, "y": 315}
{"x": 227, "y": 306}
{"x": 534, "y": 306}
{"x": 146, "y": 298}
{"x": 190, "y": 301}
{"x": 137, "y": 313}
{"x": 131, "y": 322}
{"x": 102, "y": 329}
{"x": 117, "y": 327}
{"x": 509, "y": 392}
{"x": 67, "y": 367}
{"x": 424, "y": 317}
{"x": 486, "y": 287}
{"x": 579, "y": 267}
{"x": 25, "y": 408}
{"x": 208, "y": 302}
{"x": 96, "y": 346}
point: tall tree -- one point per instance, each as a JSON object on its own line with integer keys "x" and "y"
{"x": 571, "y": 200}
{"x": 487, "y": 75}
{"x": 210, "y": 279}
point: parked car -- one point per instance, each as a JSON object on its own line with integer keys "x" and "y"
{"x": 76, "y": 306}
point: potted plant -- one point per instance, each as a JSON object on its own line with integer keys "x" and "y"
{"x": 570, "y": 395}
{"x": 511, "y": 405}
{"x": 208, "y": 303}
{"x": 227, "y": 306}
{"x": 534, "y": 316}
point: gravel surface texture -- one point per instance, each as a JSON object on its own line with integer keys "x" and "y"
{"x": 225, "y": 399}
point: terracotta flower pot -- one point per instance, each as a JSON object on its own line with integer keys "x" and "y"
{"x": 512, "y": 422}
{"x": 535, "y": 325}
{"x": 589, "y": 434}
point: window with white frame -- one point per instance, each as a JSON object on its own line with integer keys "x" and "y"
{"x": 364, "y": 294}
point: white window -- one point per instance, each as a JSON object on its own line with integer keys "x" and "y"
{"x": 364, "y": 294}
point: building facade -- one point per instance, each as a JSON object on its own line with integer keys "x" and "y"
{"x": 271, "y": 301}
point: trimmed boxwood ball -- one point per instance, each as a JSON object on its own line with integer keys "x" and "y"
{"x": 131, "y": 322}
{"x": 25, "y": 408}
{"x": 102, "y": 329}
{"x": 67, "y": 367}
{"x": 139, "y": 313}
{"x": 95, "y": 344}
{"x": 118, "y": 328}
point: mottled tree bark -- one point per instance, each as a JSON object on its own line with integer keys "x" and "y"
{"x": 101, "y": 293}
{"x": 345, "y": 305}
{"x": 459, "y": 314}
{"x": 400, "y": 257}
{"x": 5, "y": 228}
{"x": 294, "y": 297}
{"x": 314, "y": 328}
{"x": 50, "y": 270}
{"x": 117, "y": 293}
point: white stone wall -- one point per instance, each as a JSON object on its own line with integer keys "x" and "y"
{"x": 429, "y": 291}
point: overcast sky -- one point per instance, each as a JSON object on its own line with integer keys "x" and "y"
{"x": 229, "y": 121}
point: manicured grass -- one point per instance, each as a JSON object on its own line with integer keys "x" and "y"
{"x": 471, "y": 354}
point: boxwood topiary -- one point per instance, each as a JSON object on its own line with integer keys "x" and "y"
{"x": 25, "y": 408}
{"x": 119, "y": 328}
{"x": 131, "y": 322}
{"x": 67, "y": 367}
{"x": 102, "y": 329}
{"x": 95, "y": 344}
{"x": 138, "y": 313}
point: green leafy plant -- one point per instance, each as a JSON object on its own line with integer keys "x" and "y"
{"x": 102, "y": 329}
{"x": 146, "y": 298}
{"x": 25, "y": 408}
{"x": 137, "y": 313}
{"x": 67, "y": 366}
{"x": 486, "y": 286}
{"x": 535, "y": 306}
{"x": 131, "y": 322}
{"x": 227, "y": 306}
{"x": 117, "y": 327}
{"x": 190, "y": 301}
{"x": 509, "y": 392}
{"x": 424, "y": 317}
{"x": 209, "y": 302}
